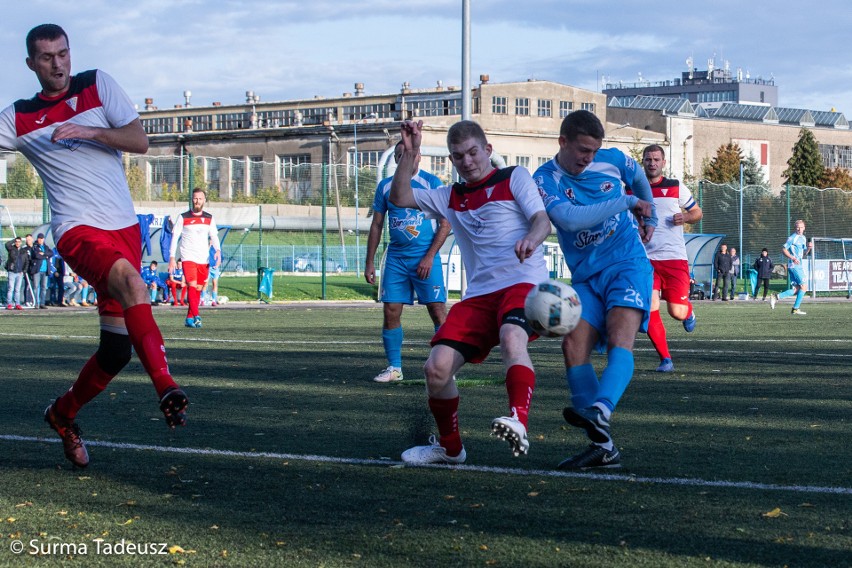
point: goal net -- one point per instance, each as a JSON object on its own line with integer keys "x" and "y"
{"x": 831, "y": 265}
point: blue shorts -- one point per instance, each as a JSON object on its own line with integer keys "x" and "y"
{"x": 797, "y": 276}
{"x": 400, "y": 282}
{"x": 624, "y": 284}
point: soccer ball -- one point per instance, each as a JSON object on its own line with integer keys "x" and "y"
{"x": 553, "y": 308}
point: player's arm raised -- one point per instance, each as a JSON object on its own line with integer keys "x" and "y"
{"x": 401, "y": 193}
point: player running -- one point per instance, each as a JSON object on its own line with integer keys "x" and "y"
{"x": 582, "y": 191}
{"x": 667, "y": 251}
{"x": 412, "y": 264}
{"x": 74, "y": 132}
{"x": 795, "y": 249}
{"x": 499, "y": 224}
{"x": 197, "y": 231}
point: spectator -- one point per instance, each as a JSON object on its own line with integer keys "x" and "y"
{"x": 153, "y": 282}
{"x": 56, "y": 290}
{"x": 73, "y": 288}
{"x": 735, "y": 271}
{"x": 40, "y": 255}
{"x": 17, "y": 264}
{"x": 26, "y": 287}
{"x": 764, "y": 267}
{"x": 722, "y": 264}
{"x": 176, "y": 282}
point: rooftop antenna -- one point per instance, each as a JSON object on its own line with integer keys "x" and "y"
{"x": 690, "y": 68}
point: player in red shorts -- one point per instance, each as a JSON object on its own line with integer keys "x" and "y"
{"x": 499, "y": 223}
{"x": 74, "y": 132}
{"x": 667, "y": 251}
{"x": 197, "y": 231}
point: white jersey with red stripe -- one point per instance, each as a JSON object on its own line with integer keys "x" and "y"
{"x": 84, "y": 179}
{"x": 488, "y": 218}
{"x": 670, "y": 197}
{"x": 197, "y": 233}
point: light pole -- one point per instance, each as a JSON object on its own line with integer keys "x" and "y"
{"x": 357, "y": 214}
{"x": 742, "y": 197}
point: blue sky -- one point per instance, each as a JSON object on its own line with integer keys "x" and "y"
{"x": 283, "y": 49}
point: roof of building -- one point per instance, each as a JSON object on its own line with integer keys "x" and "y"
{"x": 671, "y": 105}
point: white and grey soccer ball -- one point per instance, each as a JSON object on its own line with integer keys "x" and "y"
{"x": 553, "y": 308}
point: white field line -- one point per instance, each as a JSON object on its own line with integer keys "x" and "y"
{"x": 540, "y": 341}
{"x": 747, "y": 485}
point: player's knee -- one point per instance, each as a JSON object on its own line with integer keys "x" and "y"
{"x": 113, "y": 352}
{"x": 436, "y": 375}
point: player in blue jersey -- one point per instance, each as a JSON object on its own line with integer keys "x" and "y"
{"x": 601, "y": 231}
{"x": 795, "y": 249}
{"x": 412, "y": 264}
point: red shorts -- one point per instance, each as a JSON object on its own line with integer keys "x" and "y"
{"x": 194, "y": 272}
{"x": 475, "y": 322}
{"x": 671, "y": 279}
{"x": 91, "y": 252}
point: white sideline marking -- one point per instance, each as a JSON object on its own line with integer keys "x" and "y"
{"x": 473, "y": 468}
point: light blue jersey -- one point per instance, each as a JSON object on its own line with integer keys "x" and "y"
{"x": 411, "y": 233}
{"x": 796, "y": 245}
{"x": 592, "y": 212}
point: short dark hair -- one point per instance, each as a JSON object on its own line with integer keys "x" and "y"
{"x": 465, "y": 130}
{"x": 582, "y": 123}
{"x": 764, "y": 249}
{"x": 654, "y": 148}
{"x": 43, "y": 31}
{"x": 199, "y": 190}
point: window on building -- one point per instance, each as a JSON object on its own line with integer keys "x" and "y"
{"x": 158, "y": 125}
{"x": 545, "y": 109}
{"x": 565, "y": 108}
{"x": 212, "y": 174}
{"x": 238, "y": 175}
{"x": 232, "y": 121}
{"x": 439, "y": 165}
{"x": 587, "y": 106}
{"x": 256, "y": 175}
{"x": 499, "y": 105}
{"x": 294, "y": 174}
{"x": 523, "y": 161}
{"x": 522, "y": 107}
{"x": 543, "y": 160}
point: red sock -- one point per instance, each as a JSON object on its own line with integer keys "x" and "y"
{"x": 173, "y": 288}
{"x": 194, "y": 299}
{"x": 520, "y": 383}
{"x": 148, "y": 343}
{"x": 183, "y": 294}
{"x": 657, "y": 335}
{"x": 91, "y": 381}
{"x": 446, "y": 413}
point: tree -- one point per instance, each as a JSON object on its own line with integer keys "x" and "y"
{"x": 836, "y": 177}
{"x": 136, "y": 183}
{"x": 22, "y": 180}
{"x": 805, "y": 165}
{"x": 752, "y": 174}
{"x": 725, "y": 166}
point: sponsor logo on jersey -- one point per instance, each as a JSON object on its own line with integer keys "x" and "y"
{"x": 607, "y": 186}
{"x": 41, "y": 120}
{"x": 71, "y": 143}
{"x": 489, "y": 191}
{"x": 408, "y": 225}
{"x": 587, "y": 238}
{"x": 569, "y": 193}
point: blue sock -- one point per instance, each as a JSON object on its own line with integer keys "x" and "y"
{"x": 215, "y": 296}
{"x": 799, "y": 297}
{"x": 786, "y": 293}
{"x": 392, "y": 339}
{"x": 616, "y": 376}
{"x": 153, "y": 294}
{"x": 583, "y": 384}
